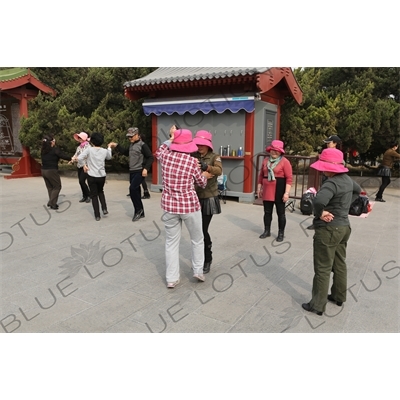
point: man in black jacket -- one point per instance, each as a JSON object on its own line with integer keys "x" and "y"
{"x": 140, "y": 160}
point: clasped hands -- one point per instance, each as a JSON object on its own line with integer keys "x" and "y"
{"x": 326, "y": 216}
{"x": 73, "y": 159}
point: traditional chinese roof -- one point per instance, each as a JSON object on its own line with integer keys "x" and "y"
{"x": 170, "y": 75}
{"x": 16, "y": 77}
{"x": 165, "y": 80}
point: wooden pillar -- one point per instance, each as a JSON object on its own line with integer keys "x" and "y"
{"x": 23, "y": 106}
{"x": 26, "y": 166}
{"x": 155, "y": 145}
{"x": 248, "y": 155}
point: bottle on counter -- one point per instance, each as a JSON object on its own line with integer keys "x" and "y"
{"x": 240, "y": 152}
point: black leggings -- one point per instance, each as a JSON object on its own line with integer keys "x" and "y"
{"x": 280, "y": 211}
{"x": 385, "y": 183}
{"x": 207, "y": 238}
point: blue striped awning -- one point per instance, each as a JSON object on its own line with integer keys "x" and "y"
{"x": 205, "y": 105}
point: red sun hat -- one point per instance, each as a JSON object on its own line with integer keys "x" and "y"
{"x": 183, "y": 142}
{"x": 276, "y": 145}
{"x": 203, "y": 138}
{"x": 330, "y": 160}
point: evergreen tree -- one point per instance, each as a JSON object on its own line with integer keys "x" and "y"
{"x": 361, "y": 105}
{"x": 88, "y": 99}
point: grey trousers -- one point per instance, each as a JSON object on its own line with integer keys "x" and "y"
{"x": 173, "y": 231}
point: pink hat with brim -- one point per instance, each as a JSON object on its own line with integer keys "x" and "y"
{"x": 276, "y": 145}
{"x": 81, "y": 135}
{"x": 330, "y": 160}
{"x": 183, "y": 142}
{"x": 203, "y": 138}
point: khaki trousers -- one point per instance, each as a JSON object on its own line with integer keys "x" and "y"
{"x": 330, "y": 243}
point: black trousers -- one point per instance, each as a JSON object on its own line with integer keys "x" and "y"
{"x": 136, "y": 180}
{"x": 96, "y": 186}
{"x": 82, "y": 177}
{"x": 52, "y": 181}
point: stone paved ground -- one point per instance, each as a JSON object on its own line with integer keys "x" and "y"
{"x": 61, "y": 271}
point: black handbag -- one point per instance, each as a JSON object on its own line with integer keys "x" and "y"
{"x": 359, "y": 206}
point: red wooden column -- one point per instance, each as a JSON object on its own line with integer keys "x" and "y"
{"x": 248, "y": 153}
{"x": 26, "y": 166}
{"x": 23, "y": 106}
{"x": 155, "y": 145}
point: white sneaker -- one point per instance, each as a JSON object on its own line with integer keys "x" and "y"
{"x": 171, "y": 285}
{"x": 199, "y": 277}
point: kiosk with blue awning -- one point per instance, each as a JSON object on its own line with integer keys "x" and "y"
{"x": 239, "y": 106}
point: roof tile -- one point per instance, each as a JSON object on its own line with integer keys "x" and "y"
{"x": 14, "y": 73}
{"x": 184, "y": 74}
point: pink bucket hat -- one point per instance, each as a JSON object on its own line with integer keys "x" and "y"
{"x": 276, "y": 145}
{"x": 81, "y": 135}
{"x": 330, "y": 160}
{"x": 203, "y": 138}
{"x": 183, "y": 142}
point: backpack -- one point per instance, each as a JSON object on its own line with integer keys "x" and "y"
{"x": 359, "y": 206}
{"x": 306, "y": 203}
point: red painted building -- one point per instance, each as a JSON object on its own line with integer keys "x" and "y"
{"x": 17, "y": 87}
{"x": 241, "y": 107}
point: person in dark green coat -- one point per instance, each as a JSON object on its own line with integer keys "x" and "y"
{"x": 332, "y": 230}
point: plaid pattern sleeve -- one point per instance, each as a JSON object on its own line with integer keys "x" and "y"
{"x": 179, "y": 174}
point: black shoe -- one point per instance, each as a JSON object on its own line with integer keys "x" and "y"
{"x": 265, "y": 234}
{"x": 381, "y": 200}
{"x": 280, "y": 236}
{"x": 83, "y": 200}
{"x": 207, "y": 267}
{"x": 128, "y": 195}
{"x": 138, "y": 215}
{"x": 54, "y": 207}
{"x": 307, "y": 307}
{"x": 338, "y": 303}
{"x": 87, "y": 200}
{"x": 146, "y": 195}
{"x": 48, "y": 204}
{"x": 105, "y": 212}
{"x": 98, "y": 218}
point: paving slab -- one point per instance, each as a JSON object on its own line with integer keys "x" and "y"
{"x": 109, "y": 275}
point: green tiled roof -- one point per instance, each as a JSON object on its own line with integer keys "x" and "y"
{"x": 14, "y": 73}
